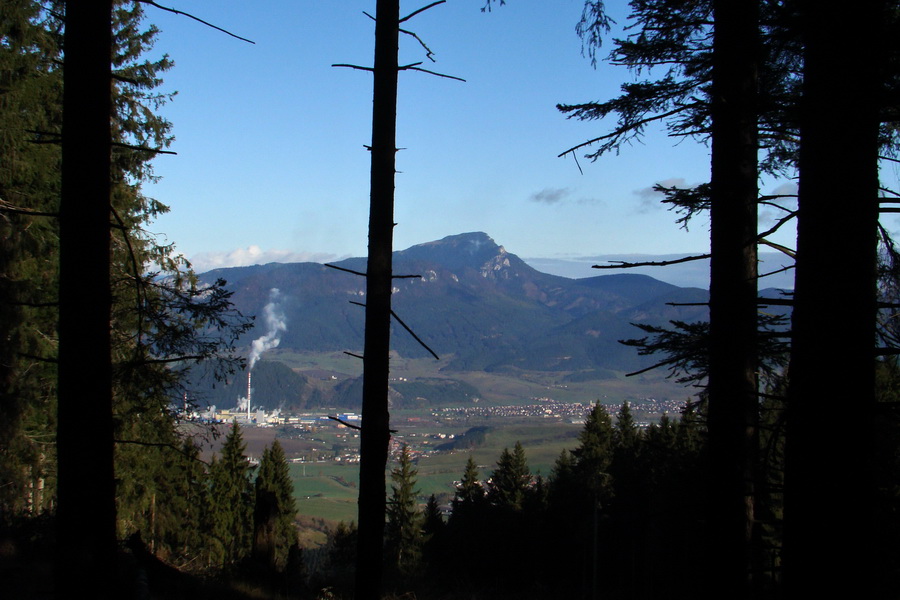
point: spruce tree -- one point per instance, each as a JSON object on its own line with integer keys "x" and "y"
{"x": 510, "y": 481}
{"x": 403, "y": 532}
{"x": 594, "y": 454}
{"x": 469, "y": 493}
{"x": 433, "y": 519}
{"x": 275, "y": 509}
{"x": 231, "y": 507}
{"x": 626, "y": 432}
{"x": 29, "y": 191}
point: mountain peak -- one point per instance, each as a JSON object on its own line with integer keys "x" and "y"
{"x": 473, "y": 242}
{"x": 473, "y": 250}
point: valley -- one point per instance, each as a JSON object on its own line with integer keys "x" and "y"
{"x": 542, "y": 410}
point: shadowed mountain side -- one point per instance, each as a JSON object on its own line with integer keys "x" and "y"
{"x": 475, "y": 303}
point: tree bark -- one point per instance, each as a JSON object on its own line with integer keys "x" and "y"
{"x": 375, "y": 434}
{"x": 86, "y": 515}
{"x": 828, "y": 492}
{"x": 732, "y": 385}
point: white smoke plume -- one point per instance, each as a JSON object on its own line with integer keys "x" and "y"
{"x": 276, "y": 324}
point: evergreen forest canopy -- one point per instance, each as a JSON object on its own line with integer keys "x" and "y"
{"x": 727, "y": 502}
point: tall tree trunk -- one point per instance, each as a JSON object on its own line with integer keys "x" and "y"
{"x": 828, "y": 493}
{"x": 375, "y": 435}
{"x": 732, "y": 389}
{"x": 86, "y": 514}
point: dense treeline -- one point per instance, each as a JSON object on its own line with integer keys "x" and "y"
{"x": 622, "y": 515}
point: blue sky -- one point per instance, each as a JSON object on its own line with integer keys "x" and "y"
{"x": 271, "y": 164}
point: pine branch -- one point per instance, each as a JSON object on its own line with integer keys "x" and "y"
{"x": 621, "y": 131}
{"x": 142, "y": 148}
{"x": 9, "y": 208}
{"x": 38, "y": 358}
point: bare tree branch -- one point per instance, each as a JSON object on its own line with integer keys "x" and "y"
{"x": 357, "y": 67}
{"x": 428, "y": 52}
{"x": 345, "y": 270}
{"x": 433, "y": 73}
{"x": 345, "y": 423}
{"x": 423, "y": 9}
{"x": 776, "y": 271}
{"x": 778, "y": 225}
{"x": 351, "y": 426}
{"x": 417, "y": 338}
{"x": 779, "y": 247}
{"x": 775, "y": 301}
{"x": 199, "y": 20}
{"x": 406, "y": 327}
{"x": 621, "y": 264}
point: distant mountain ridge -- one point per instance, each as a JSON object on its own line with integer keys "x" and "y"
{"x": 477, "y": 305}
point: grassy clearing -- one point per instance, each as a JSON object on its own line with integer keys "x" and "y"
{"x": 328, "y": 490}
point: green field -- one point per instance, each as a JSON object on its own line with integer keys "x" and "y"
{"x": 328, "y": 490}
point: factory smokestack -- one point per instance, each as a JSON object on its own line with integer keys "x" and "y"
{"x": 248, "y": 396}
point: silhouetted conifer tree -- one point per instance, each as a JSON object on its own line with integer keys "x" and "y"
{"x": 274, "y": 509}
{"x": 403, "y": 532}
{"x": 231, "y": 495}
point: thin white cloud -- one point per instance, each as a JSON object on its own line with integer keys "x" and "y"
{"x": 253, "y": 255}
{"x": 550, "y": 195}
